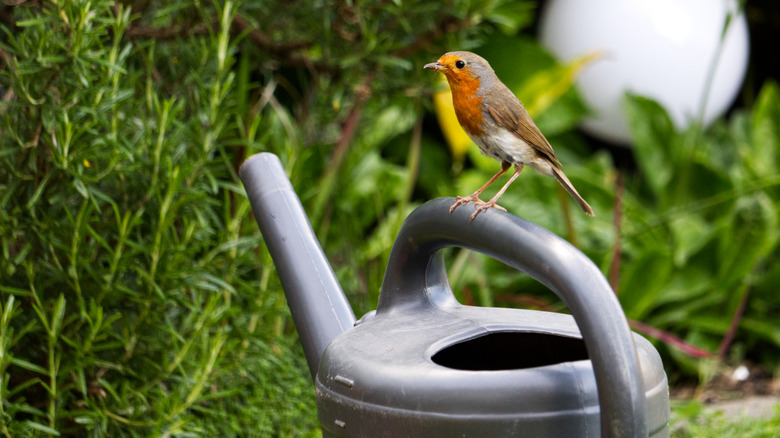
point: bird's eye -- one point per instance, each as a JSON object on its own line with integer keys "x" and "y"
{"x": 460, "y": 64}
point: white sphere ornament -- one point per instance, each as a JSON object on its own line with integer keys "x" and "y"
{"x": 662, "y": 49}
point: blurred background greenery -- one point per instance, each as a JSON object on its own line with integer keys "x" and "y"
{"x": 137, "y": 296}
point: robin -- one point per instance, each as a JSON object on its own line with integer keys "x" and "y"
{"x": 498, "y": 123}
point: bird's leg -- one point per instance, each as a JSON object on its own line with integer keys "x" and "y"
{"x": 482, "y": 206}
{"x": 475, "y": 196}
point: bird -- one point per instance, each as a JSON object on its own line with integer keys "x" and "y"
{"x": 497, "y": 122}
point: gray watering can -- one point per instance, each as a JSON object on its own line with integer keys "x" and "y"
{"x": 423, "y": 365}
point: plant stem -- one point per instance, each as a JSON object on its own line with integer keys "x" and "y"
{"x": 669, "y": 339}
{"x": 617, "y": 249}
{"x": 728, "y": 338}
{"x": 412, "y": 169}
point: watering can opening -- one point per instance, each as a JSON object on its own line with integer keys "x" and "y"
{"x": 510, "y": 351}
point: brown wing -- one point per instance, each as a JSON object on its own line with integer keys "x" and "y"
{"x": 519, "y": 123}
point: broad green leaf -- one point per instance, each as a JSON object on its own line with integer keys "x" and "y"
{"x": 381, "y": 240}
{"x": 561, "y": 117}
{"x": 515, "y": 59}
{"x": 677, "y": 314}
{"x": 752, "y": 234}
{"x": 432, "y": 177}
{"x": 698, "y": 181}
{"x": 513, "y": 16}
{"x": 643, "y": 280}
{"x": 763, "y": 157}
{"x": 653, "y": 134}
{"x": 549, "y": 85}
{"x": 691, "y": 233}
{"x": 387, "y": 123}
{"x": 768, "y": 330}
{"x": 712, "y": 324}
{"x": 686, "y": 284}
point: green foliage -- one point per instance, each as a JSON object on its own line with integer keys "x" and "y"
{"x": 709, "y": 199}
{"x": 129, "y": 281}
{"x": 692, "y": 420}
{"x": 136, "y": 296}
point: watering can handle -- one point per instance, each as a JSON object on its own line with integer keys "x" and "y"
{"x": 411, "y": 280}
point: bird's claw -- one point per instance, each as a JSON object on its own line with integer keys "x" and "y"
{"x": 482, "y": 206}
{"x": 479, "y": 204}
{"x": 460, "y": 200}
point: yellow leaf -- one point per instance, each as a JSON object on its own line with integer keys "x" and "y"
{"x": 547, "y": 86}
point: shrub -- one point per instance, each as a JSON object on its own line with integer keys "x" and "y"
{"x": 135, "y": 300}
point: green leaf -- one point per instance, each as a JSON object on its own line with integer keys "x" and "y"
{"x": 751, "y": 235}
{"x": 678, "y": 313}
{"x": 691, "y": 232}
{"x": 28, "y": 365}
{"x": 765, "y": 329}
{"x": 695, "y": 181}
{"x": 549, "y": 85}
{"x": 763, "y": 157}
{"x": 653, "y": 134}
{"x": 513, "y": 16}
{"x": 502, "y": 51}
{"x": 711, "y": 324}
{"x": 15, "y": 291}
{"x": 40, "y": 427}
{"x": 686, "y": 284}
{"x": 644, "y": 279}
{"x": 40, "y": 20}
{"x": 561, "y": 117}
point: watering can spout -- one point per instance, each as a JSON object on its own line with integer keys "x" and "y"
{"x": 318, "y": 305}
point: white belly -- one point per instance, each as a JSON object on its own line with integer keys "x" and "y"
{"x": 502, "y": 145}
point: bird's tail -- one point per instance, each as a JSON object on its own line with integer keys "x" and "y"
{"x": 559, "y": 175}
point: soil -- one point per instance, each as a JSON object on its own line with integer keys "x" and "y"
{"x": 756, "y": 394}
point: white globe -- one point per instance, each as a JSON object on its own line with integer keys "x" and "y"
{"x": 662, "y": 49}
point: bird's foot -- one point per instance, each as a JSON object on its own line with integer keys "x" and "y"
{"x": 464, "y": 200}
{"x": 482, "y": 206}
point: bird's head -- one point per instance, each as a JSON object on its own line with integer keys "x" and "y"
{"x": 463, "y": 68}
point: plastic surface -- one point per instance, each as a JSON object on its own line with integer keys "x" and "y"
{"x": 544, "y": 256}
{"x": 423, "y": 365}
{"x": 381, "y": 378}
{"x": 318, "y": 305}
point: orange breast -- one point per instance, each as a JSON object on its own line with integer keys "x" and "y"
{"x": 467, "y": 104}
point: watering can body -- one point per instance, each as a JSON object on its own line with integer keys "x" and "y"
{"x": 465, "y": 371}
{"x": 423, "y": 365}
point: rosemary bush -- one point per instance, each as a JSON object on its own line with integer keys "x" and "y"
{"x": 137, "y": 299}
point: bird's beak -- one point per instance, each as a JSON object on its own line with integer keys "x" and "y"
{"x": 435, "y": 65}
